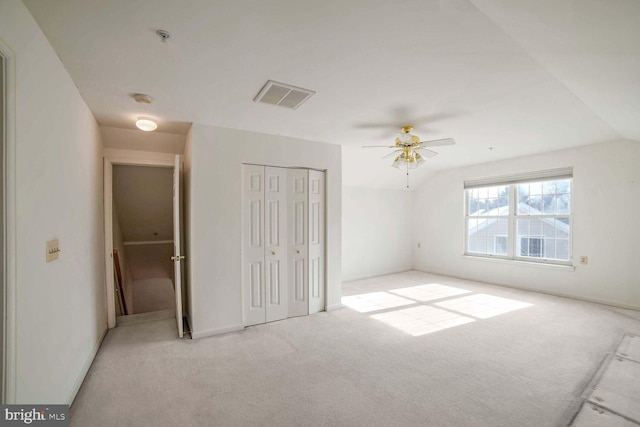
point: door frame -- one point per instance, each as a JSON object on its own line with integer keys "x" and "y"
{"x": 130, "y": 159}
{"x": 9, "y": 278}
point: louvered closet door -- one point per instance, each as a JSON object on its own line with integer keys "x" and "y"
{"x": 298, "y": 183}
{"x": 253, "y": 277}
{"x": 276, "y": 243}
{"x": 316, "y": 233}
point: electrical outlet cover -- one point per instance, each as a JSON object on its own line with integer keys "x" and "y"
{"x": 52, "y": 250}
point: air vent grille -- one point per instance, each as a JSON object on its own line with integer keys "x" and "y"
{"x": 283, "y": 95}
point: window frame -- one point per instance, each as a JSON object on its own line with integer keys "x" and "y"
{"x": 512, "y": 219}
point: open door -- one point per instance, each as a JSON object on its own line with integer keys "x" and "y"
{"x": 177, "y": 255}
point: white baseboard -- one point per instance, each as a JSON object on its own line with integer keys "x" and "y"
{"x": 85, "y": 368}
{"x": 333, "y": 307}
{"x": 213, "y": 332}
{"x": 355, "y": 279}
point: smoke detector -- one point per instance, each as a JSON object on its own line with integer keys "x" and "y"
{"x": 164, "y": 35}
{"x": 283, "y": 95}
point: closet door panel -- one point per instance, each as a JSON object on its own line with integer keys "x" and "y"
{"x": 298, "y": 242}
{"x": 275, "y": 196}
{"x": 253, "y": 271}
{"x": 316, "y": 241}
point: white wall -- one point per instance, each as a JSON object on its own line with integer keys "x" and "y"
{"x": 214, "y": 164}
{"x": 606, "y": 202}
{"x": 377, "y": 236}
{"x": 60, "y": 306}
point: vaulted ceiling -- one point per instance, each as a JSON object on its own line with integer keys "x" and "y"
{"x": 516, "y": 76}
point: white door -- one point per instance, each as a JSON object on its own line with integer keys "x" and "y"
{"x": 177, "y": 255}
{"x": 275, "y": 220}
{"x": 253, "y": 300}
{"x": 316, "y": 240}
{"x": 298, "y": 242}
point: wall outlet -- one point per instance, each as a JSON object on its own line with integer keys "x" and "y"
{"x": 584, "y": 260}
{"x": 52, "y": 250}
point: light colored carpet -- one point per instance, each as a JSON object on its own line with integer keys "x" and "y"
{"x": 414, "y": 349}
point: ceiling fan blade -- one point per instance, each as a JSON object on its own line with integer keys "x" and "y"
{"x": 426, "y": 152}
{"x": 378, "y": 146}
{"x": 393, "y": 153}
{"x": 438, "y": 142}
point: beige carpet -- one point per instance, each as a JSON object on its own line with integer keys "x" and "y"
{"x": 410, "y": 349}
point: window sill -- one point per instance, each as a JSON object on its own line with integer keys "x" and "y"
{"x": 521, "y": 263}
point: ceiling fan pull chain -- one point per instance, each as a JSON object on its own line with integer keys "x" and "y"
{"x": 407, "y": 175}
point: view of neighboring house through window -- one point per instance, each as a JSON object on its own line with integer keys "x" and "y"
{"x": 526, "y": 217}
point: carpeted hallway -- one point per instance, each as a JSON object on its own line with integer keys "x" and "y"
{"x": 407, "y": 349}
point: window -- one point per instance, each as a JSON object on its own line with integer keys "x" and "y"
{"x": 532, "y": 247}
{"x": 526, "y": 217}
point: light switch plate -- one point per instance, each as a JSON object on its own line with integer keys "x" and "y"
{"x": 52, "y": 250}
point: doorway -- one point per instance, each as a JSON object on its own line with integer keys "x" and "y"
{"x": 142, "y": 240}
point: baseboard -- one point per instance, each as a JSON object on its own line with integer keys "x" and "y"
{"x": 85, "y": 368}
{"x": 355, "y": 279}
{"x": 333, "y": 307}
{"x": 213, "y": 332}
{"x": 529, "y": 289}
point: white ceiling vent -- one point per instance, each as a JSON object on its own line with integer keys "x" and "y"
{"x": 283, "y": 95}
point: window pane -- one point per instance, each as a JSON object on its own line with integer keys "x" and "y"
{"x": 564, "y": 203}
{"x": 535, "y": 188}
{"x": 487, "y": 235}
{"x": 550, "y": 248}
{"x": 562, "y": 249}
{"x": 488, "y": 201}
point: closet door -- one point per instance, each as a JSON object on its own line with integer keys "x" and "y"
{"x": 316, "y": 240}
{"x": 254, "y": 310}
{"x": 276, "y": 243}
{"x": 253, "y": 288}
{"x": 298, "y": 242}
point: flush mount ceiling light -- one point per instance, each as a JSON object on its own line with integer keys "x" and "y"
{"x": 141, "y": 98}
{"x": 406, "y": 149}
{"x": 146, "y": 124}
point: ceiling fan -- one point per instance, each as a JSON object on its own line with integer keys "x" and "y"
{"x": 410, "y": 151}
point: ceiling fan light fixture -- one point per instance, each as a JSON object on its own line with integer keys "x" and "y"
{"x": 404, "y": 138}
{"x": 399, "y": 161}
{"x": 146, "y": 124}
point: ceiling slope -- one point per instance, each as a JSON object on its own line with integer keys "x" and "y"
{"x": 503, "y": 78}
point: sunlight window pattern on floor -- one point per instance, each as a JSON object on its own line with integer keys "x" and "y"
{"x": 482, "y": 306}
{"x": 422, "y": 319}
{"x": 429, "y": 292}
{"x": 375, "y": 301}
{"x": 434, "y": 307}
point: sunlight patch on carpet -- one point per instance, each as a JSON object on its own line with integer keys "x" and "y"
{"x": 422, "y": 320}
{"x": 374, "y": 301}
{"x": 430, "y": 292}
{"x": 482, "y": 306}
